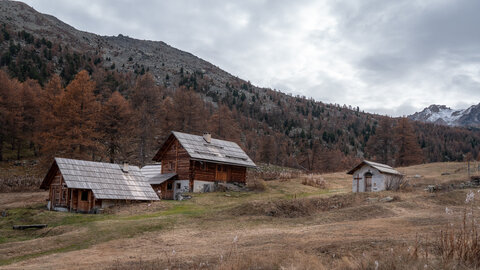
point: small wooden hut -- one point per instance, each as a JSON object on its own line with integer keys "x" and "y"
{"x": 85, "y": 186}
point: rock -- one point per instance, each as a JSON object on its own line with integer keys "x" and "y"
{"x": 371, "y": 200}
{"x": 387, "y": 199}
{"x": 445, "y": 173}
{"x": 417, "y": 176}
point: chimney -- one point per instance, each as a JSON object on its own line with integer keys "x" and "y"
{"x": 207, "y": 137}
{"x": 125, "y": 167}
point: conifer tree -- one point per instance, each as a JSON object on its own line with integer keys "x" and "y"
{"x": 409, "y": 152}
{"x": 146, "y": 104}
{"x": 381, "y": 146}
{"x": 116, "y": 129}
{"x": 75, "y": 114}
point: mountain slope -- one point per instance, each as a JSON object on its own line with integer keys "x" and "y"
{"x": 443, "y": 115}
{"x": 274, "y": 127}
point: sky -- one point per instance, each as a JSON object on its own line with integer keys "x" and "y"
{"x": 388, "y": 57}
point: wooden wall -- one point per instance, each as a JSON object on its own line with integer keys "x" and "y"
{"x": 176, "y": 159}
{"x": 206, "y": 171}
{"x": 165, "y": 193}
{"x": 62, "y": 196}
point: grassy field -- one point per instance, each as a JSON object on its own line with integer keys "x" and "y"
{"x": 287, "y": 226}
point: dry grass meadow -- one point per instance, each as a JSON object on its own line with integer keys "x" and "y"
{"x": 289, "y": 225}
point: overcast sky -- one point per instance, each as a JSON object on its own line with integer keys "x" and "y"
{"x": 390, "y": 57}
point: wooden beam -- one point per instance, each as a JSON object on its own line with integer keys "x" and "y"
{"x": 35, "y": 226}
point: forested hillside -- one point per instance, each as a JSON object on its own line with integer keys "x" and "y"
{"x": 73, "y": 94}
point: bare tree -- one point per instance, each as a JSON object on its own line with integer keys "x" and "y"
{"x": 395, "y": 182}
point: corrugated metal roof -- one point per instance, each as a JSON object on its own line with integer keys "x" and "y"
{"x": 379, "y": 166}
{"x": 106, "y": 180}
{"x": 153, "y": 175}
{"x": 218, "y": 151}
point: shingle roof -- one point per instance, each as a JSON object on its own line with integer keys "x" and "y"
{"x": 218, "y": 151}
{"x": 106, "y": 180}
{"x": 383, "y": 168}
{"x": 153, "y": 175}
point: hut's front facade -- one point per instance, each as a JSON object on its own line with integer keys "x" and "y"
{"x": 85, "y": 186}
{"x": 192, "y": 163}
{"x": 372, "y": 176}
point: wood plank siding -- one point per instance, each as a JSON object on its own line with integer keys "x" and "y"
{"x": 175, "y": 159}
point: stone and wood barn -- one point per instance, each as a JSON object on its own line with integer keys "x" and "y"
{"x": 85, "y": 186}
{"x": 371, "y": 176}
{"x": 192, "y": 163}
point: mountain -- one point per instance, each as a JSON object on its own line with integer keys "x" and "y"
{"x": 169, "y": 65}
{"x": 273, "y": 127}
{"x": 443, "y": 115}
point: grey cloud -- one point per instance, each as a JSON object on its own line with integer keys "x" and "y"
{"x": 384, "y": 56}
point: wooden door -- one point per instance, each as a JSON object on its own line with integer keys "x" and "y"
{"x": 168, "y": 194}
{"x": 221, "y": 173}
{"x": 368, "y": 182}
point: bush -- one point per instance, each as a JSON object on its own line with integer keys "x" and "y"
{"x": 310, "y": 180}
{"x": 255, "y": 183}
{"x": 396, "y": 182}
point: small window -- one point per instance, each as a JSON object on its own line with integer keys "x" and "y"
{"x": 219, "y": 168}
{"x": 84, "y": 196}
{"x": 179, "y": 186}
{"x": 204, "y": 166}
{"x": 64, "y": 195}
{"x": 374, "y": 184}
{"x": 169, "y": 186}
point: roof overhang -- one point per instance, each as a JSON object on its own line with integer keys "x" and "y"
{"x": 224, "y": 163}
{"x": 157, "y": 180}
{"x": 49, "y": 176}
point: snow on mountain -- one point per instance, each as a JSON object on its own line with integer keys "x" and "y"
{"x": 443, "y": 115}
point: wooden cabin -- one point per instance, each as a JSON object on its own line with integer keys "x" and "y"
{"x": 86, "y": 186}
{"x": 196, "y": 163}
{"x": 372, "y": 176}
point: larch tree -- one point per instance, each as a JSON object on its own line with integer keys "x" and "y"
{"x": 409, "y": 151}
{"x": 381, "y": 146}
{"x": 75, "y": 114}
{"x": 146, "y": 104}
{"x": 116, "y": 128}
{"x": 47, "y": 121}
{"x": 190, "y": 113}
{"x": 223, "y": 125}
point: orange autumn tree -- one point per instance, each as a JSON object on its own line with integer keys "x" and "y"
{"x": 74, "y": 119}
{"x": 116, "y": 128}
{"x": 409, "y": 151}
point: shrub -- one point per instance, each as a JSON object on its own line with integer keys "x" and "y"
{"x": 255, "y": 183}
{"x": 310, "y": 180}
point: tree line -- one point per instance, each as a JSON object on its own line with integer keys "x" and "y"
{"x": 133, "y": 112}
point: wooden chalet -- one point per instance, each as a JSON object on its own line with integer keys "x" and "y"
{"x": 85, "y": 186}
{"x": 196, "y": 163}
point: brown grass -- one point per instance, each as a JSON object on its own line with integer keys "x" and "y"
{"x": 288, "y": 226}
{"x": 314, "y": 181}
